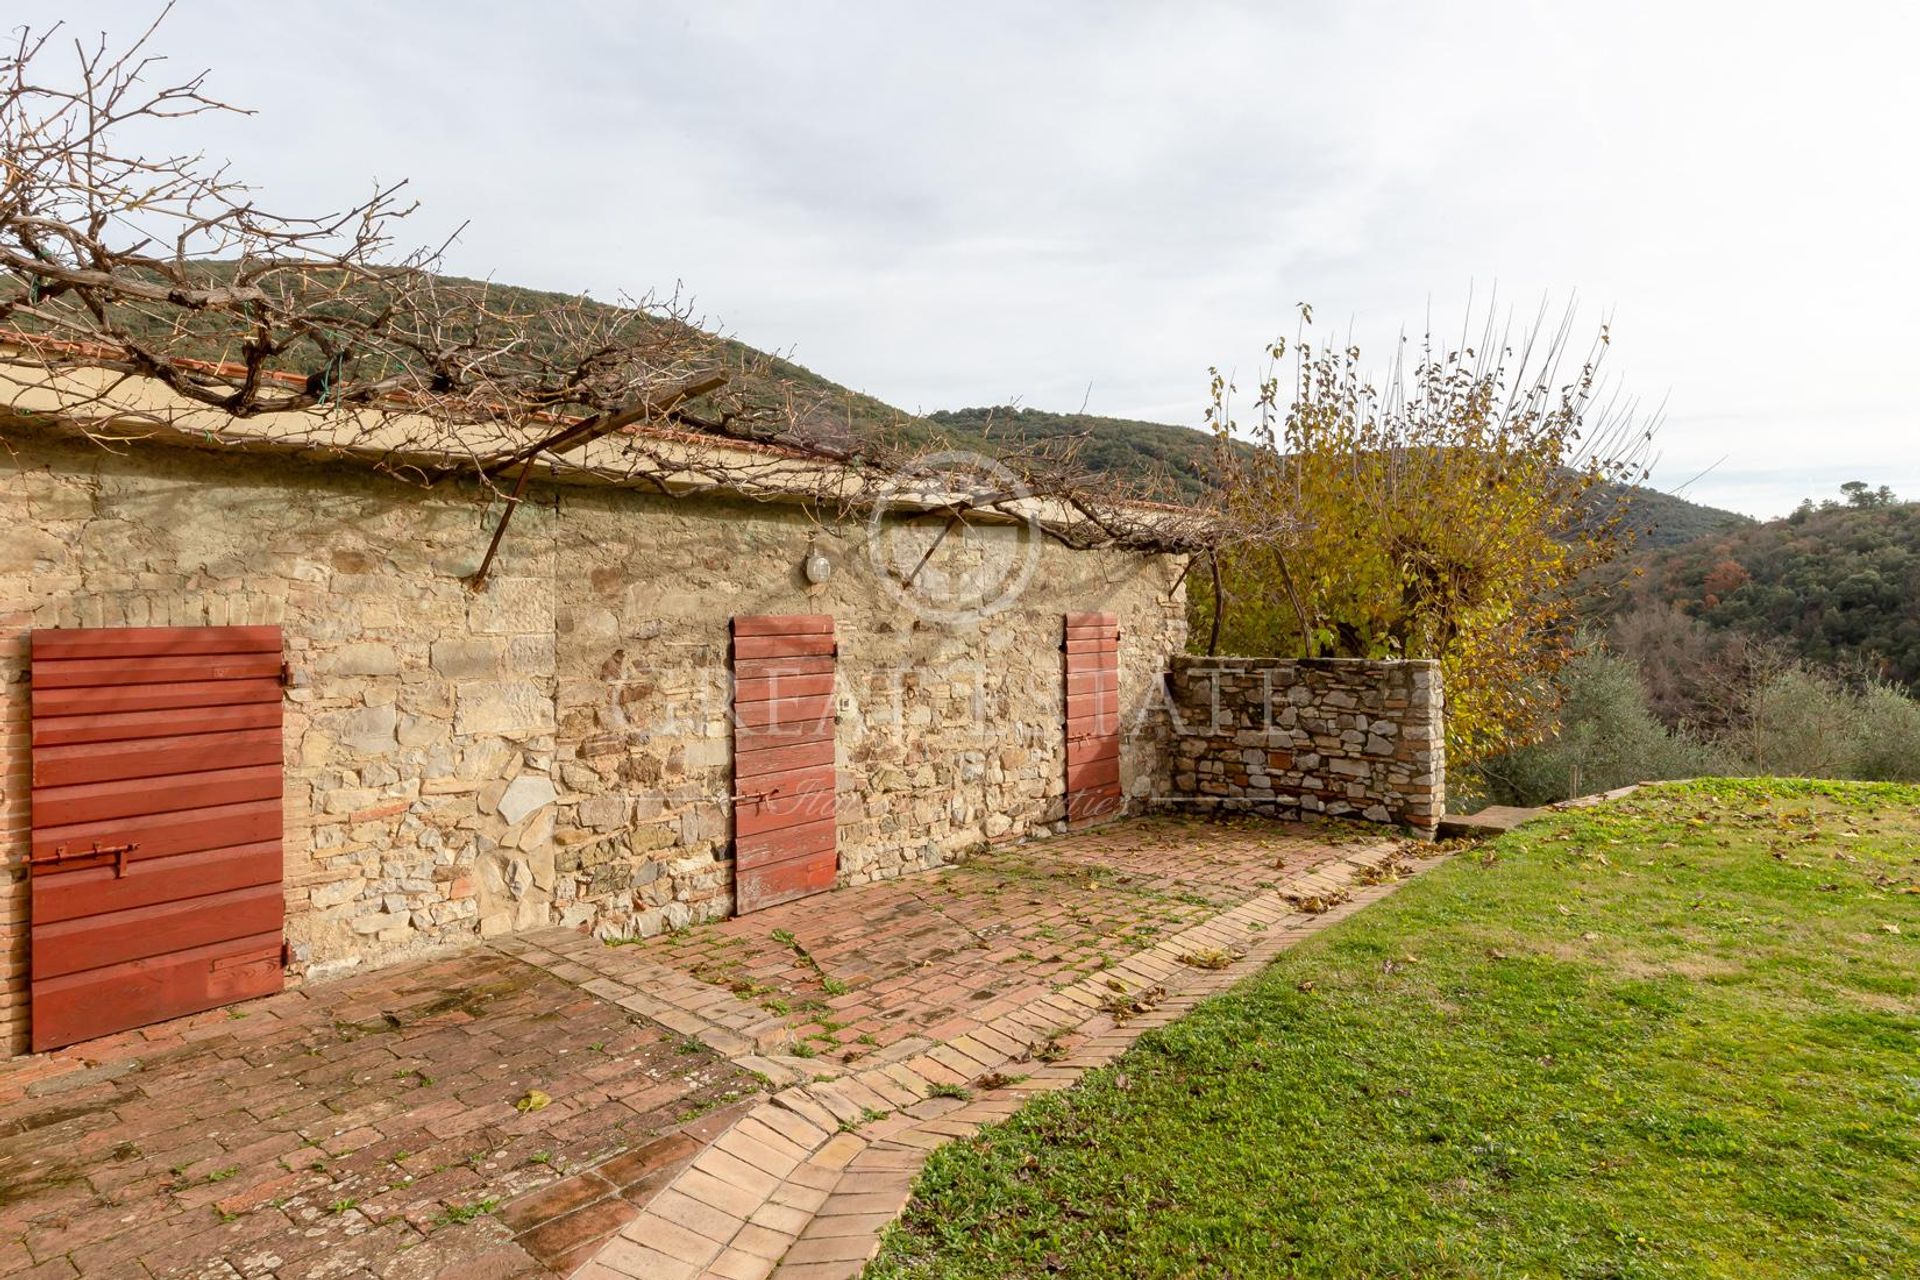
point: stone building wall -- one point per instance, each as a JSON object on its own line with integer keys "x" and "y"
{"x": 1329, "y": 736}
{"x": 556, "y": 748}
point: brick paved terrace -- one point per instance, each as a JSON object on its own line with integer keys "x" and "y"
{"x": 367, "y": 1126}
{"x": 930, "y": 957}
{"x": 895, "y": 1018}
{"x": 711, "y": 1102}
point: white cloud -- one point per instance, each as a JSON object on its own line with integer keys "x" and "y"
{"x": 967, "y": 204}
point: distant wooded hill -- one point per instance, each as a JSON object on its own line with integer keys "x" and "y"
{"x": 1161, "y": 459}
{"x": 1180, "y": 458}
{"x": 1839, "y": 584}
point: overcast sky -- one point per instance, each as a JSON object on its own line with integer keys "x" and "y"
{"x": 1088, "y": 204}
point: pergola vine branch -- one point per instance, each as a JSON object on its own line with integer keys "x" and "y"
{"x": 153, "y": 295}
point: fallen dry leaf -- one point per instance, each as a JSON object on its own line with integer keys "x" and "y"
{"x": 1317, "y": 904}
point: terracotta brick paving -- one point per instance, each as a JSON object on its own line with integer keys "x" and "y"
{"x": 931, "y": 957}
{"x": 368, "y": 1127}
{"x": 360, "y": 1127}
{"x": 1098, "y": 937}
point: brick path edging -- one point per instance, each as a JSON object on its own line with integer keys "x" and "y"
{"x": 801, "y": 1186}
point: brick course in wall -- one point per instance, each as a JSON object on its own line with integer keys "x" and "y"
{"x": 1336, "y": 737}
{"x": 556, "y": 748}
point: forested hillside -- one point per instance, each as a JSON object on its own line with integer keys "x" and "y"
{"x": 1180, "y": 457}
{"x": 1838, "y": 584}
{"x": 1160, "y": 459}
{"x": 1666, "y": 520}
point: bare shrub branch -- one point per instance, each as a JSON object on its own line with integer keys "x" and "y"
{"x": 148, "y": 293}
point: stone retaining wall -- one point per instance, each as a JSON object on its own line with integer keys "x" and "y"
{"x": 1330, "y": 736}
{"x": 557, "y": 748}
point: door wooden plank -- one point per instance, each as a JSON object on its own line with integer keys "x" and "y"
{"x": 121, "y": 726}
{"x": 782, "y": 646}
{"x": 152, "y": 697}
{"x": 750, "y": 738}
{"x": 1090, "y": 806}
{"x": 745, "y": 669}
{"x": 132, "y": 797}
{"x": 55, "y": 766}
{"x": 159, "y": 835}
{"x": 812, "y": 709}
{"x": 778, "y": 686}
{"x": 156, "y": 862}
{"x": 91, "y": 941}
{"x": 779, "y": 759}
{"x": 784, "y": 624}
{"x": 785, "y": 800}
{"x": 90, "y": 673}
{"x": 98, "y": 1002}
{"x": 1093, "y": 773}
{"x": 1080, "y": 682}
{"x": 1090, "y": 649}
{"x": 808, "y": 839}
{"x": 115, "y": 642}
{"x": 782, "y": 784}
{"x": 1100, "y": 747}
{"x": 793, "y": 811}
{"x": 1106, "y": 704}
{"x": 783, "y": 882}
{"x": 73, "y": 894}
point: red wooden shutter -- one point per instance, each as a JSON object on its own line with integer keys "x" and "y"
{"x": 156, "y": 861}
{"x": 783, "y": 811}
{"x": 1092, "y": 647}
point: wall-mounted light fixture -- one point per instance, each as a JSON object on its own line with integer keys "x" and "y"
{"x": 817, "y": 566}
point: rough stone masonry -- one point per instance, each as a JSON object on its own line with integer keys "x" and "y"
{"x": 1342, "y": 738}
{"x": 555, "y": 749}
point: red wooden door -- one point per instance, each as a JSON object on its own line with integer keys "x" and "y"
{"x": 783, "y": 775}
{"x": 1092, "y": 647}
{"x": 156, "y": 863}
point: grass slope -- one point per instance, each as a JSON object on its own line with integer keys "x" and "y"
{"x": 1675, "y": 1036}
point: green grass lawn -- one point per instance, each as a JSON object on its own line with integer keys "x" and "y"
{"x": 1678, "y": 1035}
